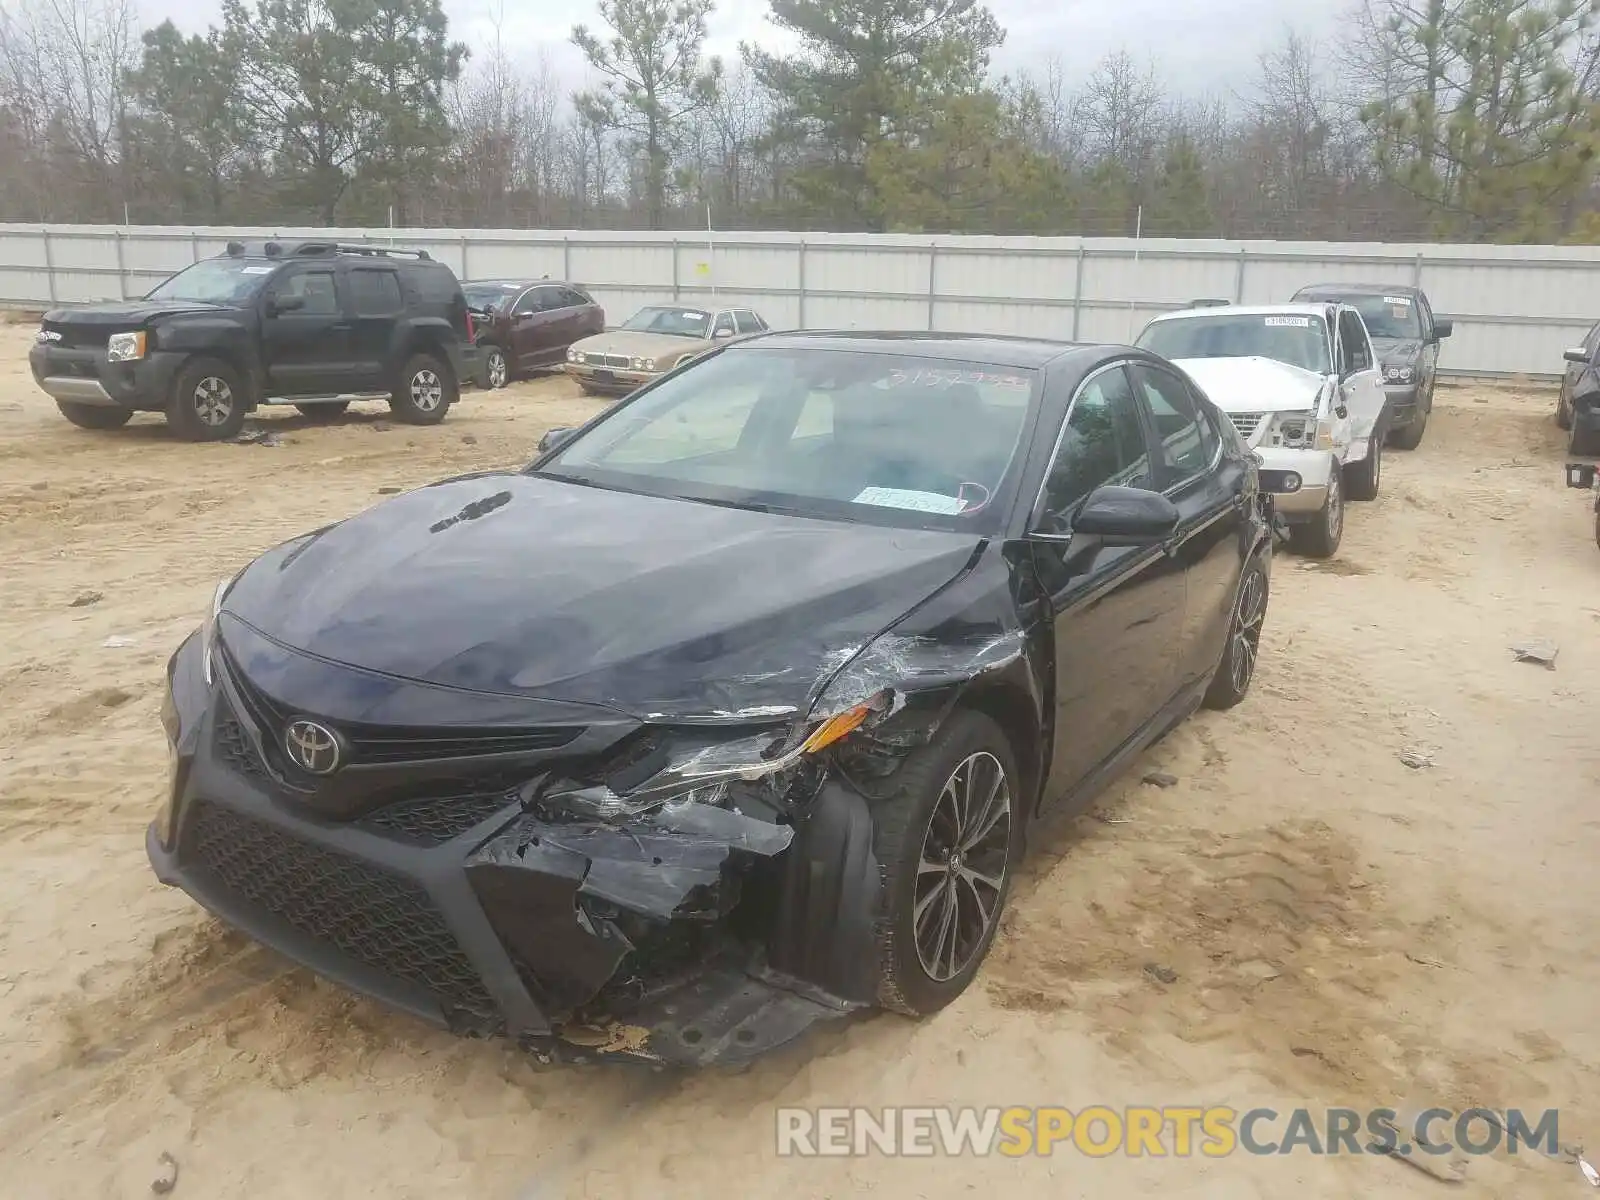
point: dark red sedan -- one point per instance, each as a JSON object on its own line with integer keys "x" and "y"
{"x": 524, "y": 324}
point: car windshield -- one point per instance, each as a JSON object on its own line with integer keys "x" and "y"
{"x": 681, "y": 322}
{"x": 1299, "y": 339}
{"x": 487, "y": 297}
{"x": 1388, "y": 316}
{"x": 882, "y": 438}
{"x": 216, "y": 281}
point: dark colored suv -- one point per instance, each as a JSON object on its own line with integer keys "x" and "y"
{"x": 528, "y": 323}
{"x": 312, "y": 324}
{"x": 1405, "y": 336}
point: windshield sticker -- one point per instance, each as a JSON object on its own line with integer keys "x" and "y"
{"x": 928, "y": 502}
{"x": 257, "y": 270}
{"x": 694, "y": 316}
{"x": 947, "y": 378}
{"x": 1403, "y": 301}
{"x": 1291, "y": 322}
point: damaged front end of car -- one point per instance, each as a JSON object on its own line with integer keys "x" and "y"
{"x": 705, "y": 895}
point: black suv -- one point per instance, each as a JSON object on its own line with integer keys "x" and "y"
{"x": 314, "y": 324}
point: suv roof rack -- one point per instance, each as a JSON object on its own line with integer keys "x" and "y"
{"x": 314, "y": 249}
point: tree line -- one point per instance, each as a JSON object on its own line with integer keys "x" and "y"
{"x": 1430, "y": 119}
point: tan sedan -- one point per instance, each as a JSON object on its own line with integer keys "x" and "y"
{"x": 653, "y": 341}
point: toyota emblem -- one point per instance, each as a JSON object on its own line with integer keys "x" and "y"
{"x": 311, "y": 747}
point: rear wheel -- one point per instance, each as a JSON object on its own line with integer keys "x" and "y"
{"x": 425, "y": 393}
{"x": 208, "y": 402}
{"x": 94, "y": 416}
{"x": 1320, "y": 536}
{"x": 1238, "y": 666}
{"x": 947, "y": 838}
{"x": 323, "y": 412}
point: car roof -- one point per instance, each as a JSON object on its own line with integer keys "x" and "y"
{"x": 515, "y": 282}
{"x": 1359, "y": 289}
{"x": 1306, "y": 309}
{"x": 992, "y": 349}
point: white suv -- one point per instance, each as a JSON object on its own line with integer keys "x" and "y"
{"x": 1301, "y": 384}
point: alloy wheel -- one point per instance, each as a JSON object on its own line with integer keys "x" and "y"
{"x": 961, "y": 873}
{"x": 497, "y": 369}
{"x": 1247, "y": 629}
{"x": 1335, "y": 517}
{"x": 213, "y": 401}
{"x": 427, "y": 391}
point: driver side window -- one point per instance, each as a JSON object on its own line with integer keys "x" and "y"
{"x": 532, "y": 301}
{"x": 317, "y": 290}
{"x": 1102, "y": 442}
{"x": 724, "y": 325}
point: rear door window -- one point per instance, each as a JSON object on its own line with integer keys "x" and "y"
{"x": 375, "y": 293}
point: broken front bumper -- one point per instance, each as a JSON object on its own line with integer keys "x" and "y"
{"x": 1297, "y": 479}
{"x": 577, "y": 938}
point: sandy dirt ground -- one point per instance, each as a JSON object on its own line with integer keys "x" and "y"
{"x": 1343, "y": 929}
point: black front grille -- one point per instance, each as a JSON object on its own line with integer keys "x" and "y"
{"x": 369, "y": 914}
{"x": 234, "y": 748}
{"x": 79, "y": 337}
{"x": 433, "y": 820}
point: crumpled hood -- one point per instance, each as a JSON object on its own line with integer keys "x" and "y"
{"x": 128, "y": 314}
{"x": 638, "y": 345}
{"x": 1254, "y": 385}
{"x": 663, "y": 609}
{"x": 1397, "y": 352}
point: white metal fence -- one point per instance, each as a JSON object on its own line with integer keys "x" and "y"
{"x": 1515, "y": 307}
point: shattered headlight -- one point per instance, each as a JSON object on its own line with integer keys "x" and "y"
{"x": 1296, "y": 430}
{"x": 125, "y": 347}
{"x": 208, "y": 631}
{"x": 703, "y": 773}
{"x": 577, "y": 356}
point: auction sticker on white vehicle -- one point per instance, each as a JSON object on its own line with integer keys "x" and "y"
{"x": 1291, "y": 322}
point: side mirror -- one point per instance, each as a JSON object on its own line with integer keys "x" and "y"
{"x": 1124, "y": 516}
{"x": 1576, "y": 355}
{"x": 554, "y": 439}
{"x": 284, "y": 304}
{"x": 1443, "y": 327}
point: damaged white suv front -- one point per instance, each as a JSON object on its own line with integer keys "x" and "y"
{"x": 1299, "y": 384}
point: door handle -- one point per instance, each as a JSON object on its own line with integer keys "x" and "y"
{"x": 339, "y": 327}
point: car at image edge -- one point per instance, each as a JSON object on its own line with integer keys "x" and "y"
{"x": 1300, "y": 384}
{"x": 525, "y": 324}
{"x": 729, "y": 713}
{"x": 1406, "y": 335}
{"x": 315, "y": 324}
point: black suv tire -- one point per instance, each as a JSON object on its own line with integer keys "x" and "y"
{"x": 424, "y": 392}
{"x": 93, "y": 416}
{"x": 208, "y": 402}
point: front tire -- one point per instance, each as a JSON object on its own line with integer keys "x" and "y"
{"x": 1320, "y": 537}
{"x": 208, "y": 402}
{"x": 425, "y": 393}
{"x": 1361, "y": 480}
{"x": 948, "y": 838}
{"x": 1231, "y": 683}
{"x": 94, "y": 416}
{"x": 496, "y": 368}
{"x": 1409, "y": 437}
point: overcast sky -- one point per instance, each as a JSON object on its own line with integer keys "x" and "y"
{"x": 1201, "y": 48}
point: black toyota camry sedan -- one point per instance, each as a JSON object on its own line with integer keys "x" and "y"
{"x": 732, "y": 711}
